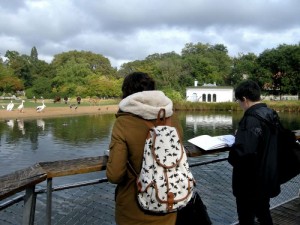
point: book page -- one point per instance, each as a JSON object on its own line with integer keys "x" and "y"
{"x": 227, "y": 139}
{"x": 207, "y": 142}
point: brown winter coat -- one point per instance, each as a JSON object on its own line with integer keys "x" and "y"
{"x": 127, "y": 143}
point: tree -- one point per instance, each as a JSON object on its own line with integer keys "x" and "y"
{"x": 96, "y": 63}
{"x": 244, "y": 66}
{"x": 207, "y": 63}
{"x": 167, "y": 70}
{"x": 20, "y": 64}
{"x": 283, "y": 64}
{"x": 10, "y": 84}
{"x": 42, "y": 87}
{"x": 34, "y": 54}
{"x": 104, "y": 87}
{"x": 74, "y": 68}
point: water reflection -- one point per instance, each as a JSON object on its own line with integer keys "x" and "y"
{"x": 26, "y": 142}
{"x": 208, "y": 121}
{"x": 10, "y": 123}
{"x": 40, "y": 123}
{"x": 21, "y": 125}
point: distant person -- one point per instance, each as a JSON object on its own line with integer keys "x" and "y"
{"x": 140, "y": 102}
{"x": 78, "y": 100}
{"x": 66, "y": 99}
{"x": 254, "y": 178}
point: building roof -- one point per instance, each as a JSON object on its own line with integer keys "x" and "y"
{"x": 209, "y": 87}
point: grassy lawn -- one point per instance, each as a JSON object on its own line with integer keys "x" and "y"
{"x": 291, "y": 105}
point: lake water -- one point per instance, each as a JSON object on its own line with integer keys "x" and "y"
{"x": 26, "y": 142}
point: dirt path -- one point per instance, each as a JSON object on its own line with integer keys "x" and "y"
{"x": 57, "y": 112}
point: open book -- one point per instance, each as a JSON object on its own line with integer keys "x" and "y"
{"x": 207, "y": 142}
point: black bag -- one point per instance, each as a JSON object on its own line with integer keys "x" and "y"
{"x": 194, "y": 213}
{"x": 288, "y": 155}
{"x": 288, "y": 150}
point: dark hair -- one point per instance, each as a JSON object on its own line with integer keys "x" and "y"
{"x": 248, "y": 89}
{"x": 137, "y": 82}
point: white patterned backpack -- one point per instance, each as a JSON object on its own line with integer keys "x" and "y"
{"x": 165, "y": 183}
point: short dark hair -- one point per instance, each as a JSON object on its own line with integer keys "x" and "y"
{"x": 137, "y": 82}
{"x": 248, "y": 89}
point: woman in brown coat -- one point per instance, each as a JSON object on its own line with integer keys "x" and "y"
{"x": 140, "y": 102}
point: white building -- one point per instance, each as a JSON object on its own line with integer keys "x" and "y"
{"x": 209, "y": 93}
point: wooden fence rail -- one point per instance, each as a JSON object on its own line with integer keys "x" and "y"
{"x": 26, "y": 179}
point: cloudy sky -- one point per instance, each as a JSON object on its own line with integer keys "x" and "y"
{"x": 127, "y": 30}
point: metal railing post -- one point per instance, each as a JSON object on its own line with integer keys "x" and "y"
{"x": 29, "y": 206}
{"x": 49, "y": 200}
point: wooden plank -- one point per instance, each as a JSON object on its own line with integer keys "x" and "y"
{"x": 74, "y": 166}
{"x": 193, "y": 150}
{"x": 20, "y": 180}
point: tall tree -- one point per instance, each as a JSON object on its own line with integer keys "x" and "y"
{"x": 20, "y": 64}
{"x": 72, "y": 69}
{"x": 207, "y": 63}
{"x": 244, "y": 67}
{"x": 34, "y": 54}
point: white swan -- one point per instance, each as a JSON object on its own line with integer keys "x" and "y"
{"x": 21, "y": 106}
{"x": 10, "y": 106}
{"x": 40, "y": 108}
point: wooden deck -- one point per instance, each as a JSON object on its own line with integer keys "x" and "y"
{"x": 288, "y": 213}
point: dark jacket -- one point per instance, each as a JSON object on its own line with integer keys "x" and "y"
{"x": 254, "y": 154}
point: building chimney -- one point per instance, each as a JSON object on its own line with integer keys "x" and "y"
{"x": 196, "y": 83}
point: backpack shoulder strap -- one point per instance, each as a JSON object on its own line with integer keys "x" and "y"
{"x": 161, "y": 119}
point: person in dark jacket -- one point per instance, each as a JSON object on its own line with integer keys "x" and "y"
{"x": 254, "y": 158}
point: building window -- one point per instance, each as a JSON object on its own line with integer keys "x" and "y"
{"x": 214, "y": 97}
{"x": 209, "y": 98}
{"x": 203, "y": 97}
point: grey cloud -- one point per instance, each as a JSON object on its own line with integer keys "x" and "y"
{"x": 132, "y": 29}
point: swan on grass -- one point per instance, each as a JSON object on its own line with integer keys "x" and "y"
{"x": 10, "y": 106}
{"x": 40, "y": 108}
{"x": 21, "y": 106}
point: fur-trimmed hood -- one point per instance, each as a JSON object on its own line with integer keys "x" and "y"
{"x": 146, "y": 104}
